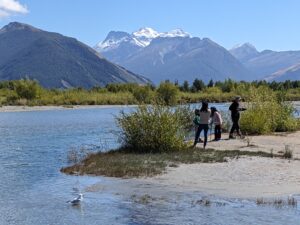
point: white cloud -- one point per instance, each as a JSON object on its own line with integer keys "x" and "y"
{"x": 3, "y": 13}
{"x": 11, "y": 7}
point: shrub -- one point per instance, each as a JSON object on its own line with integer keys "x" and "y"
{"x": 267, "y": 112}
{"x": 156, "y": 128}
{"x": 167, "y": 93}
{"x": 27, "y": 89}
{"x": 213, "y": 91}
{"x": 143, "y": 94}
{"x": 121, "y": 87}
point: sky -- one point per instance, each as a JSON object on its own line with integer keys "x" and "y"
{"x": 267, "y": 24}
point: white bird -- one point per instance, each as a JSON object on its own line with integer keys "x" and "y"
{"x": 77, "y": 200}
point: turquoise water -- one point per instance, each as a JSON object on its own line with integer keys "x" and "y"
{"x": 34, "y": 147}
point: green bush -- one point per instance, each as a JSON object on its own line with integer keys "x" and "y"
{"x": 267, "y": 112}
{"x": 156, "y": 128}
{"x": 167, "y": 93}
{"x": 143, "y": 94}
{"x": 27, "y": 89}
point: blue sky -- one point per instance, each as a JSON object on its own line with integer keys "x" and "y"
{"x": 267, "y": 24}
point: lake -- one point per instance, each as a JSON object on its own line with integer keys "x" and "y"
{"x": 34, "y": 146}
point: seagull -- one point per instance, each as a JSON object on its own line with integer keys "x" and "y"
{"x": 77, "y": 200}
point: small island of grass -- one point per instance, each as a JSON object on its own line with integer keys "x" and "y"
{"x": 127, "y": 164}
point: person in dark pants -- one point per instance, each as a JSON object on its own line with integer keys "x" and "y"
{"x": 235, "y": 117}
{"x": 203, "y": 124}
{"x": 216, "y": 118}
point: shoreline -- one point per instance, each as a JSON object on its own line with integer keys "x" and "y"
{"x": 243, "y": 176}
{"x": 50, "y": 108}
{"x": 26, "y": 108}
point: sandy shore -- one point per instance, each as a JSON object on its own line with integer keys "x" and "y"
{"x": 267, "y": 143}
{"x": 46, "y": 108}
{"x": 245, "y": 177}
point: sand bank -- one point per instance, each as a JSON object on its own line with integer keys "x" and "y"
{"x": 245, "y": 177}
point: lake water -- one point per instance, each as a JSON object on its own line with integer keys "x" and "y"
{"x": 34, "y": 147}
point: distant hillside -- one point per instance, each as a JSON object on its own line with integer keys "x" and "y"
{"x": 267, "y": 64}
{"x": 173, "y": 55}
{"x": 290, "y": 73}
{"x": 54, "y": 60}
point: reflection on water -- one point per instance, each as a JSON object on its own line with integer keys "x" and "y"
{"x": 34, "y": 147}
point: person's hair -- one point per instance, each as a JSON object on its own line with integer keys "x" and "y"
{"x": 237, "y": 99}
{"x": 197, "y": 111}
{"x": 204, "y": 107}
{"x": 213, "y": 110}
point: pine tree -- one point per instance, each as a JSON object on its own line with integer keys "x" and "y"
{"x": 210, "y": 83}
{"x": 198, "y": 85}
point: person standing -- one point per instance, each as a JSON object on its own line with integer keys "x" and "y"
{"x": 235, "y": 117}
{"x": 203, "y": 124}
{"x": 216, "y": 118}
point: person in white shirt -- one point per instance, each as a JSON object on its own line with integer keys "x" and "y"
{"x": 203, "y": 123}
{"x": 216, "y": 118}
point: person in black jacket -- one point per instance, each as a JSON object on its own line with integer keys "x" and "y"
{"x": 235, "y": 116}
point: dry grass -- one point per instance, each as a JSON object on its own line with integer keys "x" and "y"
{"x": 291, "y": 201}
{"x": 288, "y": 153}
{"x": 121, "y": 163}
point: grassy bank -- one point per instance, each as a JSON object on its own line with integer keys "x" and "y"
{"x": 122, "y": 163}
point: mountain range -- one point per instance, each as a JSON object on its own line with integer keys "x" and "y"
{"x": 269, "y": 65}
{"x": 176, "y": 55}
{"x": 56, "y": 61}
{"x": 173, "y": 55}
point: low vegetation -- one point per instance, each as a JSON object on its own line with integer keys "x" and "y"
{"x": 124, "y": 163}
{"x": 290, "y": 201}
{"x": 28, "y": 92}
{"x": 288, "y": 153}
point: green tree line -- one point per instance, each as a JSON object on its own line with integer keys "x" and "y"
{"x": 29, "y": 92}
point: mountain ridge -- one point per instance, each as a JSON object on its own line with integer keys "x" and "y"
{"x": 55, "y": 60}
{"x": 267, "y": 64}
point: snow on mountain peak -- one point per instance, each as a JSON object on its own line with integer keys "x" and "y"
{"x": 146, "y": 32}
{"x": 146, "y": 35}
{"x": 140, "y": 38}
{"x": 175, "y": 33}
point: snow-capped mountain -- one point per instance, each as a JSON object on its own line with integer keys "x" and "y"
{"x": 114, "y": 39}
{"x": 173, "y": 55}
{"x": 140, "y": 38}
{"x": 145, "y": 35}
